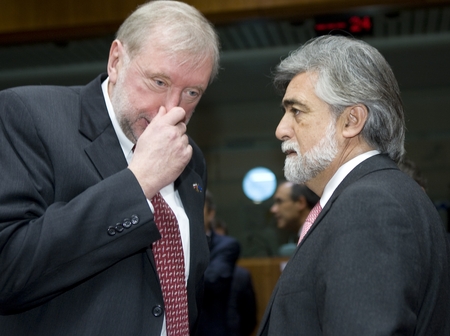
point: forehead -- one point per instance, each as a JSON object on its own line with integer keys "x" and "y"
{"x": 301, "y": 89}
{"x": 156, "y": 59}
{"x": 301, "y": 94}
{"x": 283, "y": 191}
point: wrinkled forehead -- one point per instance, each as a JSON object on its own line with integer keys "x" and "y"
{"x": 188, "y": 60}
{"x": 300, "y": 85}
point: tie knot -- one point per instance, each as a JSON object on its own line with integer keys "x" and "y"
{"x": 156, "y": 198}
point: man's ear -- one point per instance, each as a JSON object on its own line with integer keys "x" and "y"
{"x": 301, "y": 203}
{"x": 115, "y": 60}
{"x": 354, "y": 119}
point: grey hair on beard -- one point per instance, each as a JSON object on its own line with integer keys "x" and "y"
{"x": 352, "y": 72}
{"x": 177, "y": 27}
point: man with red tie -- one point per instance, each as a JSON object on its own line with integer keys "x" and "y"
{"x": 102, "y": 190}
{"x": 374, "y": 259}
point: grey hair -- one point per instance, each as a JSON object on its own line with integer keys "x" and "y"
{"x": 351, "y": 72}
{"x": 176, "y": 26}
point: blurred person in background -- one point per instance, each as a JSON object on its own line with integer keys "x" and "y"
{"x": 224, "y": 252}
{"x": 242, "y": 304}
{"x": 291, "y": 205}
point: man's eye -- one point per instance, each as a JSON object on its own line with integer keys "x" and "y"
{"x": 193, "y": 93}
{"x": 159, "y": 82}
{"x": 296, "y": 112}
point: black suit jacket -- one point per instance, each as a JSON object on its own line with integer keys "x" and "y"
{"x": 64, "y": 184}
{"x": 375, "y": 262}
{"x": 224, "y": 251}
{"x": 242, "y": 304}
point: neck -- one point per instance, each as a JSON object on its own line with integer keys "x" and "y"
{"x": 349, "y": 152}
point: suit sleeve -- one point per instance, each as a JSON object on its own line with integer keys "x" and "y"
{"x": 366, "y": 274}
{"x": 47, "y": 244}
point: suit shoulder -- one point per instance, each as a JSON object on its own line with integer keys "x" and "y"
{"x": 42, "y": 107}
{"x": 387, "y": 183}
{"x": 30, "y": 89}
{"x": 36, "y": 98}
{"x": 385, "y": 198}
{"x": 230, "y": 242}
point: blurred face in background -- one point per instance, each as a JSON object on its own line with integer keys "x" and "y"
{"x": 285, "y": 210}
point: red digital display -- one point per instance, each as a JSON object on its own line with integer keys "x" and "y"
{"x": 355, "y": 25}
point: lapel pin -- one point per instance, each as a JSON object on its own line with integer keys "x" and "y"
{"x": 197, "y": 187}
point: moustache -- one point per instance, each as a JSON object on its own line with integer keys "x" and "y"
{"x": 287, "y": 146}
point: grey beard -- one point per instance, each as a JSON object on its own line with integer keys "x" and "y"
{"x": 303, "y": 168}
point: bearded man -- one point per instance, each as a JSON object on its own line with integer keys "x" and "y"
{"x": 374, "y": 260}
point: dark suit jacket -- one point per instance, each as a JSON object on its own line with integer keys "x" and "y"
{"x": 224, "y": 252}
{"x": 375, "y": 262}
{"x": 64, "y": 183}
{"x": 242, "y": 304}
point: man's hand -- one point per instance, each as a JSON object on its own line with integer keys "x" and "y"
{"x": 162, "y": 151}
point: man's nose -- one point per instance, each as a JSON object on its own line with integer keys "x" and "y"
{"x": 284, "y": 129}
{"x": 173, "y": 99}
{"x": 272, "y": 208}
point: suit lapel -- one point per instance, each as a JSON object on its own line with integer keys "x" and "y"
{"x": 104, "y": 150}
{"x": 191, "y": 190}
{"x": 106, "y": 160}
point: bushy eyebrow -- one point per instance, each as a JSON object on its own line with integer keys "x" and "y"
{"x": 150, "y": 75}
{"x": 289, "y": 102}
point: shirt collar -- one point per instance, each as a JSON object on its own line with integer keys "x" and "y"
{"x": 341, "y": 173}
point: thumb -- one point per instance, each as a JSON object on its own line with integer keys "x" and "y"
{"x": 161, "y": 113}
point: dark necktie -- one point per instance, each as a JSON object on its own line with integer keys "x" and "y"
{"x": 315, "y": 211}
{"x": 169, "y": 258}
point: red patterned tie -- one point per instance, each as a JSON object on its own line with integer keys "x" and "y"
{"x": 169, "y": 258}
{"x": 315, "y": 211}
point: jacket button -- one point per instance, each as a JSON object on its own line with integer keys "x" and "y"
{"x": 157, "y": 311}
{"x": 126, "y": 223}
{"x": 111, "y": 231}
{"x": 119, "y": 227}
{"x": 134, "y": 219}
